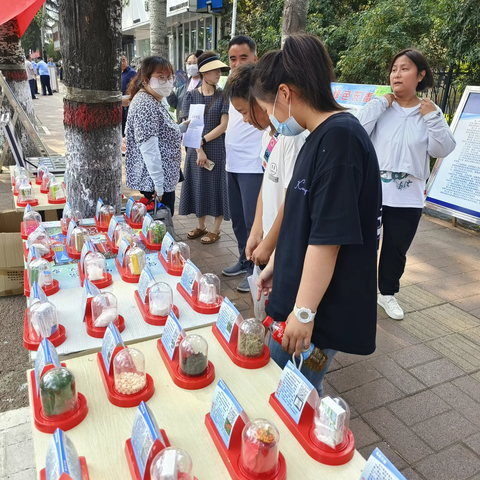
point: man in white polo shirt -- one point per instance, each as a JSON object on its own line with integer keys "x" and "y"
{"x": 244, "y": 166}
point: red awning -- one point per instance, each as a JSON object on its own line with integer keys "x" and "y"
{"x": 23, "y": 10}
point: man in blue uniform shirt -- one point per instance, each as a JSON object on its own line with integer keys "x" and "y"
{"x": 42, "y": 69}
{"x": 127, "y": 74}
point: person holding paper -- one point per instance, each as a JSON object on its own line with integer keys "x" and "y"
{"x": 204, "y": 191}
{"x": 278, "y": 154}
{"x": 154, "y": 140}
{"x": 323, "y": 273}
{"x": 405, "y": 131}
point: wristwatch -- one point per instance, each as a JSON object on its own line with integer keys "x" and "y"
{"x": 304, "y": 315}
{"x": 203, "y": 141}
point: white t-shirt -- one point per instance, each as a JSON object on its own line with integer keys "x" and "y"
{"x": 29, "y": 68}
{"x": 278, "y": 173}
{"x": 242, "y": 143}
{"x": 401, "y": 189}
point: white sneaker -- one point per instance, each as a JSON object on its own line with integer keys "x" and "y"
{"x": 390, "y": 305}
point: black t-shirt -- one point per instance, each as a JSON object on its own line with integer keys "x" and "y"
{"x": 334, "y": 198}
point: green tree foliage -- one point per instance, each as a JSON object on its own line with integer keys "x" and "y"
{"x": 30, "y": 40}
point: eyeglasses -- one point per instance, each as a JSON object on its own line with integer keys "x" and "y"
{"x": 164, "y": 79}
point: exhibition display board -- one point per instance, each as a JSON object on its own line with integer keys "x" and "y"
{"x": 454, "y": 185}
{"x": 101, "y": 437}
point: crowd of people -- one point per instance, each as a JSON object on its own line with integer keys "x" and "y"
{"x": 305, "y": 183}
{"x": 39, "y": 68}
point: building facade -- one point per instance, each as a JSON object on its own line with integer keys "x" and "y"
{"x": 191, "y": 25}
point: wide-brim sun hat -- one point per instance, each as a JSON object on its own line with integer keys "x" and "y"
{"x": 212, "y": 63}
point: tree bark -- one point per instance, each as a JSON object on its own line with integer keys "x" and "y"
{"x": 294, "y": 17}
{"x": 158, "y": 28}
{"x": 91, "y": 43}
{"x": 12, "y": 66}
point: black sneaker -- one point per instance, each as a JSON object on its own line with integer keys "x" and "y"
{"x": 243, "y": 286}
{"x": 237, "y": 269}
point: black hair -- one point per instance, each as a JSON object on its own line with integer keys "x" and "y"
{"x": 39, "y": 58}
{"x": 28, "y": 57}
{"x": 196, "y": 54}
{"x": 422, "y": 65}
{"x": 242, "y": 40}
{"x": 294, "y": 66}
{"x": 217, "y": 91}
{"x": 238, "y": 86}
{"x": 149, "y": 66}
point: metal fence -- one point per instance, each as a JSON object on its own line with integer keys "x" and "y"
{"x": 445, "y": 93}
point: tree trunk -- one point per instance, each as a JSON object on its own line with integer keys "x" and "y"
{"x": 294, "y": 17}
{"x": 12, "y": 66}
{"x": 158, "y": 28}
{"x": 91, "y": 43}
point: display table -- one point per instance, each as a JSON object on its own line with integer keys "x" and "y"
{"x": 42, "y": 198}
{"x": 101, "y": 437}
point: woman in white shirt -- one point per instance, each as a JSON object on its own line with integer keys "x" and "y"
{"x": 278, "y": 154}
{"x": 405, "y": 131}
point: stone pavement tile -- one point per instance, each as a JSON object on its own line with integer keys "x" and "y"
{"x": 454, "y": 463}
{"x": 401, "y": 438}
{"x": 353, "y": 376}
{"x": 345, "y": 359}
{"x": 15, "y": 459}
{"x": 387, "y": 450}
{"x": 386, "y": 342}
{"x": 419, "y": 407}
{"x": 468, "y": 385}
{"x": 422, "y": 272}
{"x": 12, "y": 418}
{"x": 459, "y": 401}
{"x": 453, "y": 293}
{"x": 473, "y": 334}
{"x": 436, "y": 372}
{"x": 460, "y": 350}
{"x": 445, "y": 429}
{"x": 17, "y": 434}
{"x": 393, "y": 327}
{"x": 438, "y": 321}
{"x": 397, "y": 375}
{"x": 363, "y": 434}
{"x": 475, "y": 313}
{"x": 334, "y": 365}
{"x": 372, "y": 395}
{"x": 445, "y": 261}
{"x": 414, "y": 355}
{"x": 411, "y": 474}
{"x": 30, "y": 474}
{"x": 459, "y": 268}
{"x": 473, "y": 442}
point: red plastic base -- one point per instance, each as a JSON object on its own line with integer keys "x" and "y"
{"x": 72, "y": 253}
{"x": 119, "y": 399}
{"x": 50, "y": 290}
{"x": 22, "y": 232}
{"x": 50, "y": 257}
{"x": 151, "y": 246}
{"x": 181, "y": 380}
{"x": 33, "y": 203}
{"x": 44, "y": 191}
{"x": 125, "y": 274}
{"x": 111, "y": 245}
{"x": 63, "y": 227}
{"x": 106, "y": 282}
{"x": 38, "y": 180}
{"x": 65, "y": 421}
{"x": 99, "y": 332}
{"x": 196, "y": 305}
{"x": 100, "y": 227}
{"x": 58, "y": 337}
{"x": 132, "y": 461}
{"x": 57, "y": 202}
{"x": 148, "y": 317}
{"x": 135, "y": 226}
{"x": 176, "y": 272}
{"x": 83, "y": 466}
{"x": 304, "y": 433}
{"x": 232, "y": 456}
{"x": 232, "y": 351}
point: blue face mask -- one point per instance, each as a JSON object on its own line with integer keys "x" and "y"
{"x": 290, "y": 127}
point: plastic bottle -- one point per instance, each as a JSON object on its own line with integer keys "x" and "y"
{"x": 314, "y": 358}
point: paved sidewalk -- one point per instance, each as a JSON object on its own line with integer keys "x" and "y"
{"x": 417, "y": 397}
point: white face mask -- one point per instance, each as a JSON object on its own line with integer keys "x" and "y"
{"x": 163, "y": 89}
{"x": 192, "y": 70}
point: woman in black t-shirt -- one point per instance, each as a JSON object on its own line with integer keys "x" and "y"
{"x": 322, "y": 276}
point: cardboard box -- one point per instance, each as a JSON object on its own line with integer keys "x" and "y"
{"x": 11, "y": 254}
